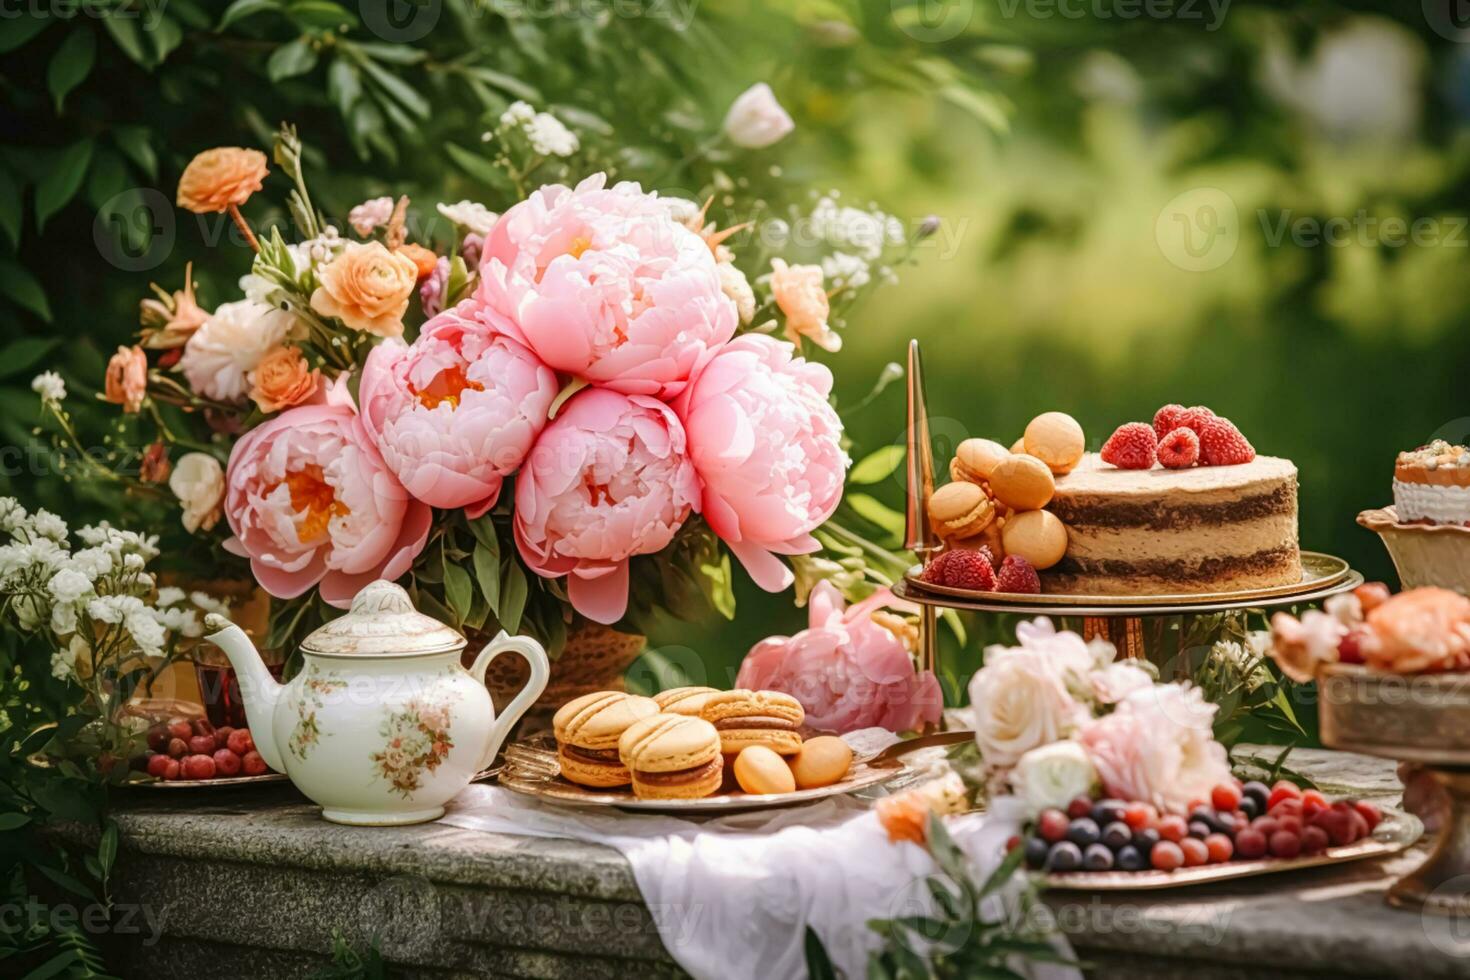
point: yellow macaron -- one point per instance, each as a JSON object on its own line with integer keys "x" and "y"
{"x": 1022, "y": 482}
{"x": 587, "y": 730}
{"x": 1038, "y": 536}
{"x": 672, "y": 757}
{"x": 975, "y": 458}
{"x": 684, "y": 700}
{"x": 822, "y": 761}
{"x": 1057, "y": 440}
{"x": 745, "y": 718}
{"x": 759, "y": 770}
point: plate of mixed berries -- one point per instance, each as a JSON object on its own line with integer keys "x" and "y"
{"x": 1243, "y": 829}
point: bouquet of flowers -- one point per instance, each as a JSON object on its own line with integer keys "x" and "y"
{"x": 97, "y": 611}
{"x": 574, "y": 411}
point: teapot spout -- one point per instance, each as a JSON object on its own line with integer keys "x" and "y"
{"x": 258, "y": 689}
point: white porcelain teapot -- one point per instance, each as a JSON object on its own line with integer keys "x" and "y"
{"x": 383, "y": 724}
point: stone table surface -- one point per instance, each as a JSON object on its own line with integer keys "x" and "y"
{"x": 254, "y": 878}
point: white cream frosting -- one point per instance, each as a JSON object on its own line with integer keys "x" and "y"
{"x": 1431, "y": 502}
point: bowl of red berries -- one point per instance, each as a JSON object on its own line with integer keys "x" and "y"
{"x": 1244, "y": 828}
{"x": 191, "y": 752}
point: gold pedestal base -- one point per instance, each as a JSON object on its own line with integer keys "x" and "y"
{"x": 1441, "y": 885}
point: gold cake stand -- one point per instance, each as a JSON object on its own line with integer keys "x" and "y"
{"x": 1120, "y": 619}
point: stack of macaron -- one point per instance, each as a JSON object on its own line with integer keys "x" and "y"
{"x": 684, "y": 743}
{"x": 997, "y": 497}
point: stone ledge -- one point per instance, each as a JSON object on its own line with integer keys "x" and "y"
{"x": 256, "y": 879}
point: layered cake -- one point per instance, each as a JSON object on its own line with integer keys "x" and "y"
{"x": 1431, "y": 484}
{"x": 1164, "y": 531}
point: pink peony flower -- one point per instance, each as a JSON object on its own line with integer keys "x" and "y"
{"x": 847, "y": 671}
{"x": 601, "y": 283}
{"x": 607, "y": 479}
{"x": 455, "y": 412}
{"x": 1158, "y": 747}
{"x": 768, "y": 447}
{"x": 310, "y": 501}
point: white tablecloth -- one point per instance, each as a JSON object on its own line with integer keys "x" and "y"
{"x": 731, "y": 896}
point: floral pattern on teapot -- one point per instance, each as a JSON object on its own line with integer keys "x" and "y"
{"x": 416, "y": 741}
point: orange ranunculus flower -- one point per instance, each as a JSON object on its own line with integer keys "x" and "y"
{"x": 127, "y": 378}
{"x": 799, "y": 293}
{"x": 421, "y": 257}
{"x": 367, "y": 287}
{"x": 1420, "y": 630}
{"x": 282, "y": 379}
{"x": 221, "y": 178}
{"x": 905, "y": 816}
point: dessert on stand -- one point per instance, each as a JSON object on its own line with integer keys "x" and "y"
{"x": 1427, "y": 529}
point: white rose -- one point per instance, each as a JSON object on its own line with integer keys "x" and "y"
{"x": 229, "y": 345}
{"x": 1116, "y": 681}
{"x": 69, "y": 585}
{"x": 199, "y": 482}
{"x": 756, "y": 119}
{"x": 1053, "y": 776}
{"x": 469, "y": 215}
{"x": 1020, "y": 702}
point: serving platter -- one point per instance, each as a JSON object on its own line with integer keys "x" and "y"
{"x": 1319, "y": 572}
{"x": 531, "y": 768}
{"x": 1396, "y": 832}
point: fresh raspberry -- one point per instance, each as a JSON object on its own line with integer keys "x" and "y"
{"x": 1017, "y": 575}
{"x": 1221, "y": 444}
{"x": 968, "y": 570}
{"x": 1166, "y": 420}
{"x": 1179, "y": 449}
{"x": 1132, "y": 447}
{"x": 1194, "y": 418}
{"x": 934, "y": 571}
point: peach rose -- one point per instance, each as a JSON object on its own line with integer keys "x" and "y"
{"x": 367, "y": 287}
{"x": 799, "y": 294}
{"x": 423, "y": 259}
{"x": 282, "y": 379}
{"x": 1420, "y": 630}
{"x": 171, "y": 319}
{"x": 904, "y": 816}
{"x": 221, "y": 178}
{"x": 127, "y": 378}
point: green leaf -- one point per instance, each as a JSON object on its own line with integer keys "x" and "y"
{"x": 61, "y": 182}
{"x": 876, "y": 512}
{"x": 21, "y": 288}
{"x": 397, "y": 54}
{"x": 54, "y": 965}
{"x": 344, "y": 84}
{"x": 291, "y": 59}
{"x": 487, "y": 573}
{"x": 107, "y": 847}
{"x": 10, "y": 208}
{"x": 504, "y": 82}
{"x": 71, "y": 64}
{"x": 458, "y": 589}
{"x": 10, "y": 821}
{"x": 68, "y": 882}
{"x": 17, "y": 32}
{"x": 404, "y": 93}
{"x": 128, "y": 36}
{"x": 241, "y": 9}
{"x": 167, "y": 35}
{"x": 878, "y": 465}
{"x": 513, "y": 593}
{"x": 321, "y": 15}
{"x": 137, "y": 143}
{"x": 818, "y": 963}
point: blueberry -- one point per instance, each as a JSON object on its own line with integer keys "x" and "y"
{"x": 1200, "y": 829}
{"x": 1097, "y": 858}
{"x": 1083, "y": 831}
{"x": 1225, "y": 823}
{"x": 1131, "y": 859}
{"x": 1145, "y": 839}
{"x": 1258, "y": 791}
{"x": 1064, "y": 856}
{"x": 1105, "y": 812}
{"x": 1116, "y": 834}
{"x": 1036, "y": 852}
{"x": 1204, "y": 815}
{"x": 1250, "y": 807}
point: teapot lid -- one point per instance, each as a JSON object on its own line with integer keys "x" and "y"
{"x": 383, "y": 622}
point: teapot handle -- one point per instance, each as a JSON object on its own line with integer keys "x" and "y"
{"x": 540, "y": 673}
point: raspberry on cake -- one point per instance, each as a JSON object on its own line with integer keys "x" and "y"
{"x": 1134, "y": 446}
{"x": 1431, "y": 484}
{"x": 1179, "y": 449}
{"x": 1222, "y": 444}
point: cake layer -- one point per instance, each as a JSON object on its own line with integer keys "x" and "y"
{"x": 1430, "y": 502}
{"x": 1152, "y": 532}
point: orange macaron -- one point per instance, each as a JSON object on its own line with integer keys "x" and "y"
{"x": 587, "y": 730}
{"x": 745, "y": 718}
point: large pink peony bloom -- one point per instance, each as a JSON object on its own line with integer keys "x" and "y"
{"x": 311, "y": 501}
{"x": 767, "y": 445}
{"x": 1158, "y": 746}
{"x": 601, "y": 283}
{"x": 608, "y": 479}
{"x": 846, "y": 670}
{"x": 457, "y": 411}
